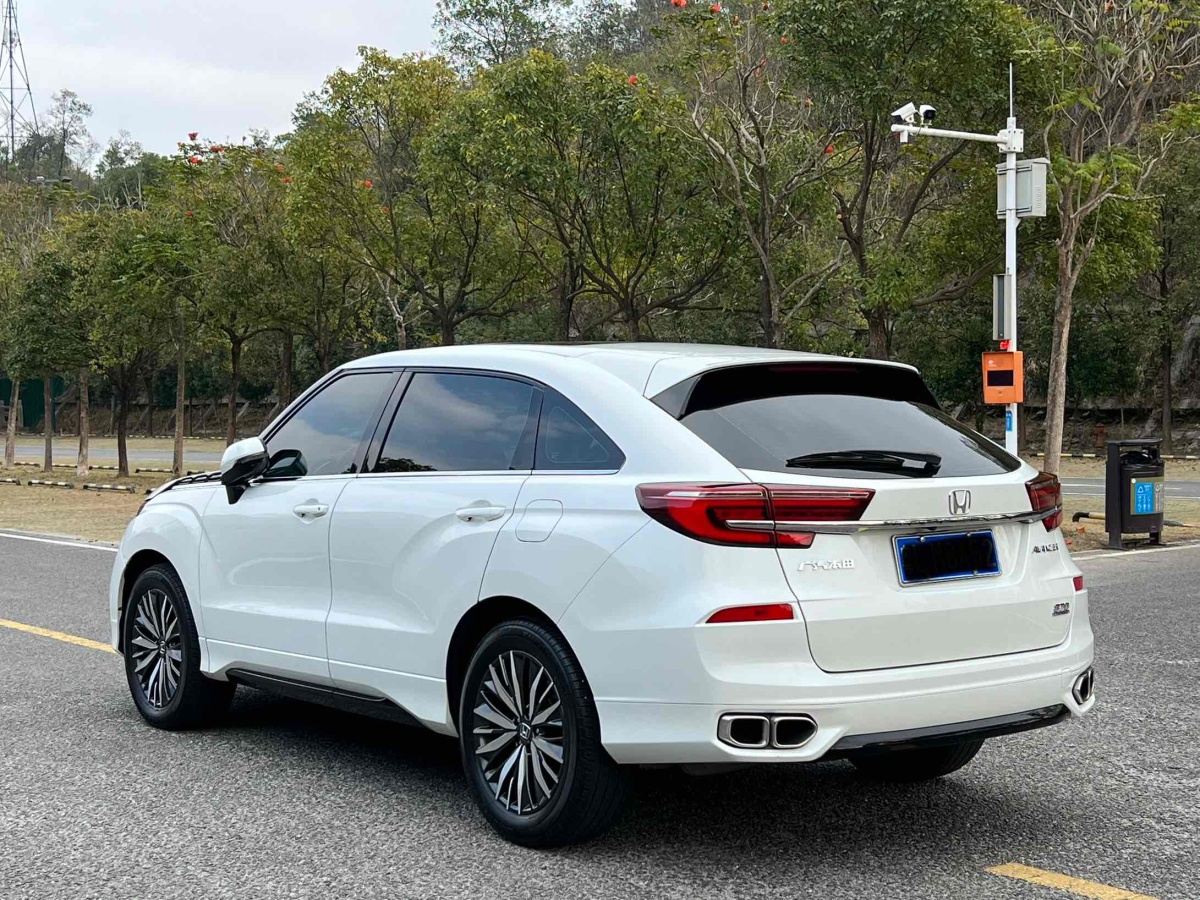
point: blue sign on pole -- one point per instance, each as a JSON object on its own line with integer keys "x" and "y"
{"x": 1008, "y": 425}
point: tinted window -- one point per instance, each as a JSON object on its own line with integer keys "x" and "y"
{"x": 568, "y": 439}
{"x": 773, "y": 420}
{"x": 461, "y": 423}
{"x": 324, "y": 435}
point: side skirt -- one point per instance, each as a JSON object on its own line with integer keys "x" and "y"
{"x": 346, "y": 701}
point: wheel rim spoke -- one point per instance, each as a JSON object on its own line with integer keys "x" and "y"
{"x": 156, "y": 647}
{"x": 518, "y": 732}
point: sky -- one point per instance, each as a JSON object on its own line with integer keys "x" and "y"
{"x": 162, "y": 68}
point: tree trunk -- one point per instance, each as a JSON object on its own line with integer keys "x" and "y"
{"x": 150, "y": 405}
{"x": 1056, "y": 394}
{"x": 48, "y": 428}
{"x": 81, "y": 461}
{"x": 563, "y": 304}
{"x": 235, "y": 363}
{"x": 289, "y": 362}
{"x": 766, "y": 321}
{"x": 447, "y": 333}
{"x": 180, "y": 410}
{"x": 122, "y": 409}
{"x": 1167, "y": 445}
{"x": 877, "y": 334}
{"x": 10, "y": 432}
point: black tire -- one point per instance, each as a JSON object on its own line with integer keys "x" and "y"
{"x": 195, "y": 700}
{"x": 590, "y": 791}
{"x": 923, "y": 764}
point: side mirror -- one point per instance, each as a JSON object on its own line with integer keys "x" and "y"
{"x": 241, "y": 463}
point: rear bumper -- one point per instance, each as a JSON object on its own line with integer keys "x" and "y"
{"x": 883, "y": 710}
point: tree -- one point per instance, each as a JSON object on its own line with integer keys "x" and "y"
{"x": 368, "y": 186}
{"x": 475, "y": 33}
{"x": 606, "y": 198}
{"x": 1172, "y": 289}
{"x": 770, "y": 153}
{"x": 1119, "y": 104}
{"x": 863, "y": 59}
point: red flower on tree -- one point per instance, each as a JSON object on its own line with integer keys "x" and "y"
{"x": 286, "y": 179}
{"x": 278, "y": 167}
{"x": 679, "y": 4}
{"x": 633, "y": 80}
{"x": 829, "y": 148}
{"x": 192, "y": 135}
{"x": 194, "y": 160}
{"x": 715, "y": 8}
{"x": 366, "y": 182}
{"x": 189, "y": 213}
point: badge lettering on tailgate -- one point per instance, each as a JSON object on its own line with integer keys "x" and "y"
{"x": 826, "y": 565}
{"x": 1062, "y": 609}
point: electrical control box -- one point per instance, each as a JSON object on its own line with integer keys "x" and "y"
{"x": 1004, "y": 377}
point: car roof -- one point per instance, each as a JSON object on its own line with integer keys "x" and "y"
{"x": 648, "y": 367}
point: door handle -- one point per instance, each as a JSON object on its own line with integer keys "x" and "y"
{"x": 311, "y": 510}
{"x": 480, "y": 513}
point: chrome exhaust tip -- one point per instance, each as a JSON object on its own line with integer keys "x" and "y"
{"x": 1084, "y": 687}
{"x": 745, "y": 731}
{"x": 792, "y": 732}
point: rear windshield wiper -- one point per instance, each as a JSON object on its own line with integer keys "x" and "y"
{"x": 897, "y": 461}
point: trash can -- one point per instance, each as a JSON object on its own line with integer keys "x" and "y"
{"x": 1133, "y": 490}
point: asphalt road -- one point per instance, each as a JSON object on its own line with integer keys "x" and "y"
{"x": 286, "y": 800}
{"x": 1094, "y": 487}
{"x": 65, "y": 450}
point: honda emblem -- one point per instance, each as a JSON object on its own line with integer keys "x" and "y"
{"x": 960, "y": 503}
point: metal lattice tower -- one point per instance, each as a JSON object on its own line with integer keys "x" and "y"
{"x": 16, "y": 96}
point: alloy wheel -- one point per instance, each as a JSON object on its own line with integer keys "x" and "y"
{"x": 518, "y": 732}
{"x": 156, "y": 647}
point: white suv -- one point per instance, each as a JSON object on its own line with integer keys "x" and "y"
{"x": 584, "y": 557}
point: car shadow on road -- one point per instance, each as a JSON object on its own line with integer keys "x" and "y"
{"x": 784, "y": 817}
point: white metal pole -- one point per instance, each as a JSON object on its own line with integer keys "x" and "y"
{"x": 1010, "y": 262}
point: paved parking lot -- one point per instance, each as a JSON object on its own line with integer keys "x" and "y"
{"x": 286, "y": 800}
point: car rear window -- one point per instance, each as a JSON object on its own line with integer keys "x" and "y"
{"x": 835, "y": 420}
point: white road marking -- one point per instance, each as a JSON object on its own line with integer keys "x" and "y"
{"x": 60, "y": 543}
{"x": 1192, "y": 545}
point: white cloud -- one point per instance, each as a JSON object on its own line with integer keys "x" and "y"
{"x": 162, "y": 69}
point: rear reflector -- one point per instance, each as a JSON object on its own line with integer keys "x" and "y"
{"x": 1045, "y": 493}
{"x": 1078, "y": 583}
{"x": 764, "y": 612}
{"x": 750, "y": 514}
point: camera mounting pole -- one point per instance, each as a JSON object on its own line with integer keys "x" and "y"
{"x": 1010, "y": 142}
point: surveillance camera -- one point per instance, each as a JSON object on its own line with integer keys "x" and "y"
{"x": 905, "y": 114}
{"x": 928, "y": 113}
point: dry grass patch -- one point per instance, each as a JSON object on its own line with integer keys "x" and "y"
{"x": 1089, "y": 534}
{"x": 92, "y": 515}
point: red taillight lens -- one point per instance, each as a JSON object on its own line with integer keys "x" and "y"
{"x": 763, "y": 612}
{"x": 705, "y": 511}
{"x": 1078, "y": 583}
{"x": 750, "y": 514}
{"x": 789, "y": 505}
{"x": 1046, "y": 493}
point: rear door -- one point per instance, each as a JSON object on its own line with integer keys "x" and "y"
{"x": 973, "y": 582}
{"x": 411, "y": 538}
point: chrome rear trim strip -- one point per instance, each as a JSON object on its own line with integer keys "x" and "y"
{"x": 943, "y": 523}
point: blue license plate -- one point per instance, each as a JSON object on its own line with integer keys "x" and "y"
{"x": 921, "y": 559}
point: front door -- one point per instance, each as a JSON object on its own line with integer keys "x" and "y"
{"x": 265, "y": 584}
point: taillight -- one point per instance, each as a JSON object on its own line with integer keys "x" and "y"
{"x": 750, "y": 514}
{"x": 1078, "y": 582}
{"x": 791, "y": 505}
{"x": 1045, "y": 493}
{"x": 762, "y": 612}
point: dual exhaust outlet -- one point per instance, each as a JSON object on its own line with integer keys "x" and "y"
{"x": 762, "y": 731}
{"x": 1084, "y": 687}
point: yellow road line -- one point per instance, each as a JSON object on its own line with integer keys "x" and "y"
{"x": 1076, "y": 886}
{"x": 56, "y": 635}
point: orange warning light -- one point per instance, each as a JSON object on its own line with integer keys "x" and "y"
{"x": 1004, "y": 377}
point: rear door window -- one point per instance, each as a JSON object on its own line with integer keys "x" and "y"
{"x": 841, "y": 421}
{"x": 452, "y": 422}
